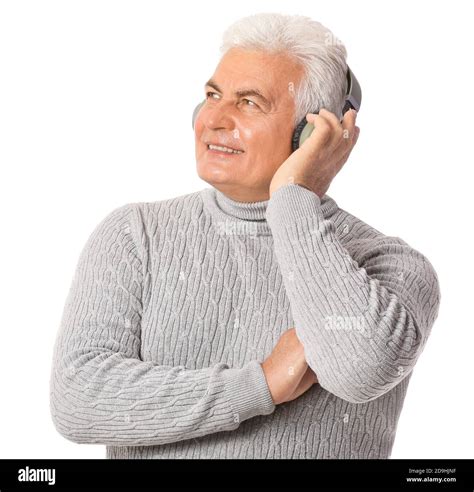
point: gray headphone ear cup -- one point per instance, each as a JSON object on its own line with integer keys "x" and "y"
{"x": 302, "y": 131}
{"x": 196, "y": 111}
{"x": 295, "y": 140}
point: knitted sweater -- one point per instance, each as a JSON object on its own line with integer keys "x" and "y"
{"x": 175, "y": 303}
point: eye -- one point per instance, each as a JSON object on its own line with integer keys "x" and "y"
{"x": 210, "y": 94}
{"x": 252, "y": 104}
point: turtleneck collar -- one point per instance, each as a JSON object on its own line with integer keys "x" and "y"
{"x": 241, "y": 210}
{"x": 251, "y": 215}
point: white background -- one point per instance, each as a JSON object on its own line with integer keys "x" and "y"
{"x": 96, "y": 100}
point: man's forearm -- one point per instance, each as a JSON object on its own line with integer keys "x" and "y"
{"x": 362, "y": 328}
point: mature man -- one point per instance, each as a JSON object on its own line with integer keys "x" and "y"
{"x": 254, "y": 318}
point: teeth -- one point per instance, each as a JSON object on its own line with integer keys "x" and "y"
{"x": 224, "y": 149}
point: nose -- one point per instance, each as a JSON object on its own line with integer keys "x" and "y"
{"x": 218, "y": 116}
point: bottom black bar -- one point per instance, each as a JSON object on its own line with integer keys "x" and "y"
{"x": 430, "y": 474}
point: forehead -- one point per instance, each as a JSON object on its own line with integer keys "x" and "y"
{"x": 271, "y": 73}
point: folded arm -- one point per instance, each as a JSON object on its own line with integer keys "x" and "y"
{"x": 102, "y": 392}
{"x": 364, "y": 323}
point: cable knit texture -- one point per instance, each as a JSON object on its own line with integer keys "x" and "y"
{"x": 175, "y": 303}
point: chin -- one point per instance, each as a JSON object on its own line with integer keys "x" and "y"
{"x": 212, "y": 174}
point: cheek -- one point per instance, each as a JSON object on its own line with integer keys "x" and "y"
{"x": 267, "y": 139}
{"x": 255, "y": 137}
{"x": 247, "y": 132}
{"x": 198, "y": 131}
{"x": 198, "y": 128}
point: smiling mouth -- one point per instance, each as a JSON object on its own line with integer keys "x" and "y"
{"x": 220, "y": 149}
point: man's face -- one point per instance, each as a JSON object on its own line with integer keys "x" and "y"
{"x": 249, "y": 107}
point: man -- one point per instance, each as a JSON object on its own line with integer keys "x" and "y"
{"x": 254, "y": 318}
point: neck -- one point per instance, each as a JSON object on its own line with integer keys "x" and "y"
{"x": 243, "y": 194}
{"x": 248, "y": 218}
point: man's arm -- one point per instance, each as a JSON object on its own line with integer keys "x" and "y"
{"x": 362, "y": 325}
{"x": 100, "y": 390}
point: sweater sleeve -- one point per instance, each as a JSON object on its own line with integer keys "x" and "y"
{"x": 101, "y": 392}
{"x": 362, "y": 321}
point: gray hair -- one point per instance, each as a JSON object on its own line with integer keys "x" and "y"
{"x": 321, "y": 54}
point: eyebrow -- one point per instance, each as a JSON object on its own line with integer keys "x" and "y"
{"x": 241, "y": 92}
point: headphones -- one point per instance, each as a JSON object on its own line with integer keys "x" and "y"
{"x": 303, "y": 130}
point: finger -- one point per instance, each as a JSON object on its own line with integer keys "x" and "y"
{"x": 353, "y": 141}
{"x": 308, "y": 379}
{"x": 323, "y": 131}
{"x": 305, "y": 383}
{"x": 348, "y": 122}
{"x": 330, "y": 117}
{"x": 346, "y": 154}
{"x": 356, "y": 135}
